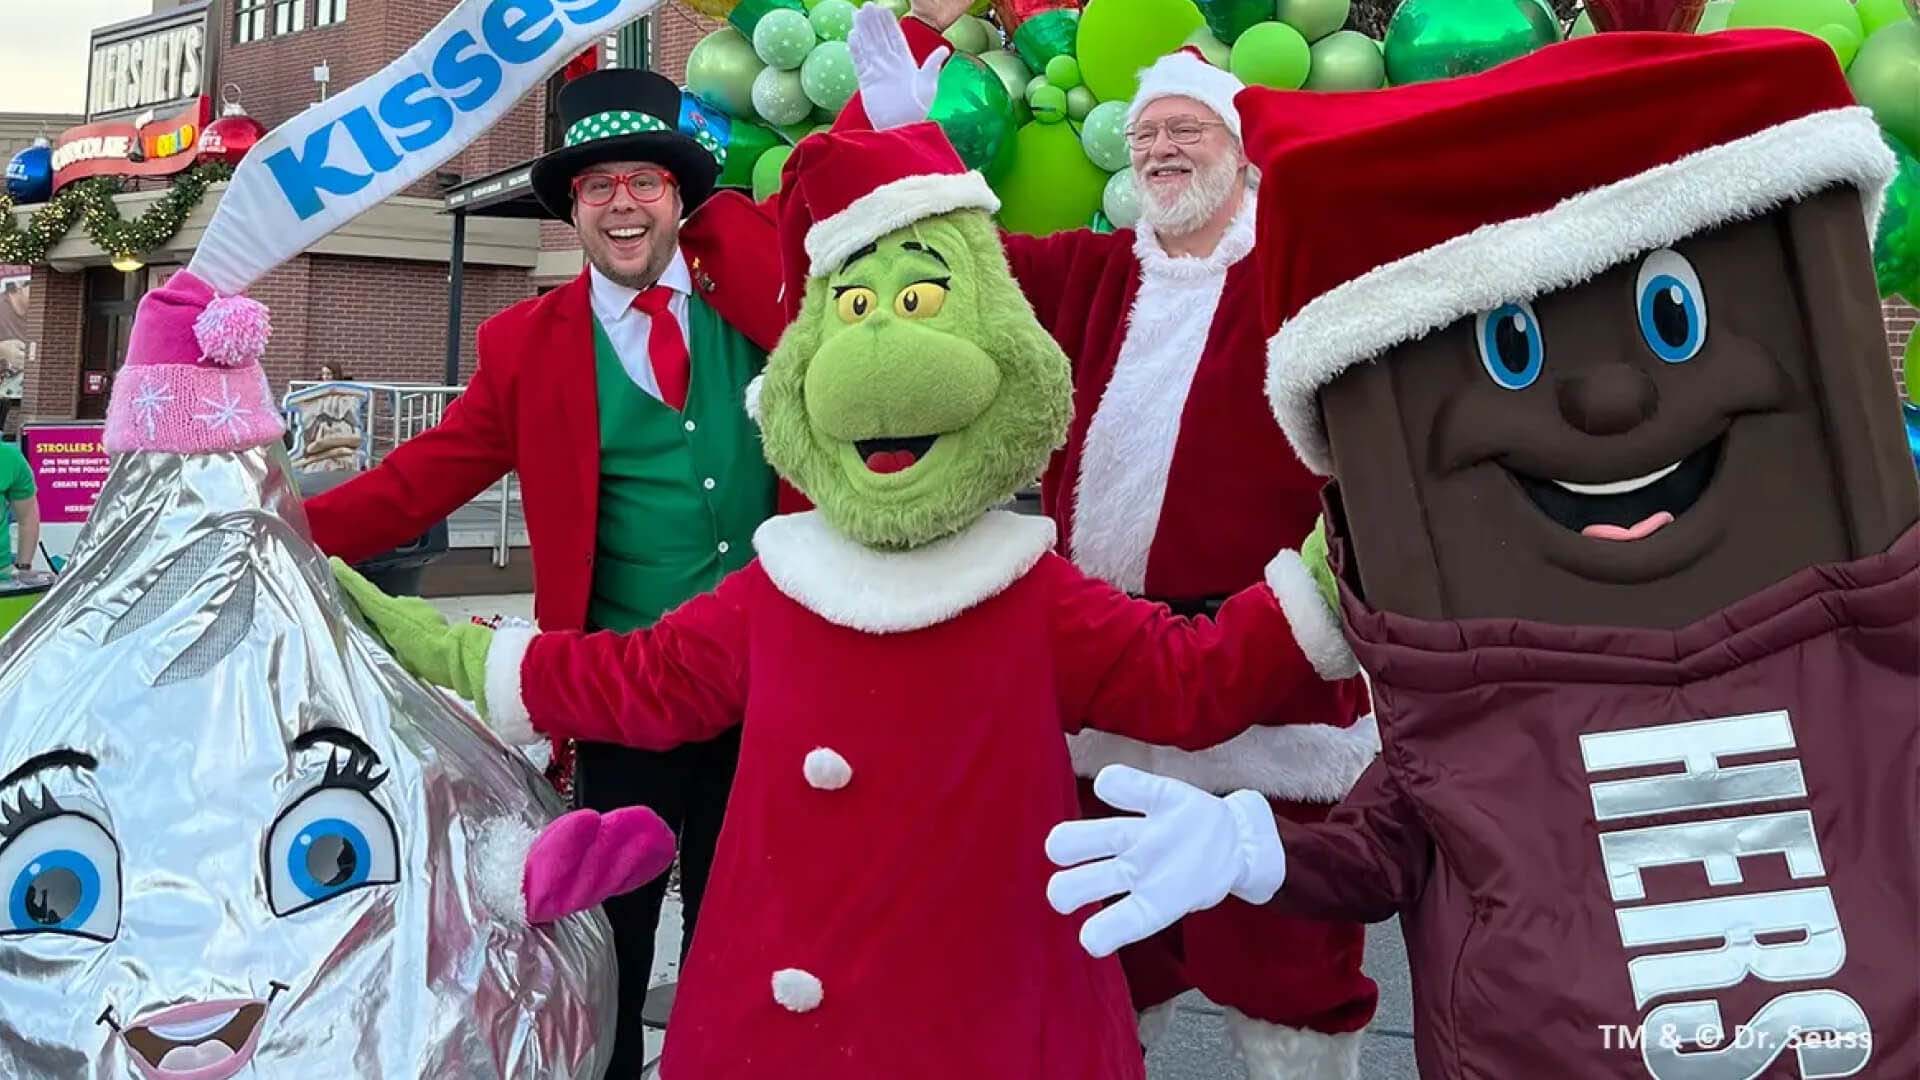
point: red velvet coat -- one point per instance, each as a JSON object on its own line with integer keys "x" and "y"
{"x": 531, "y": 406}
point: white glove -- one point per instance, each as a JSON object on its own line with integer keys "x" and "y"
{"x": 894, "y": 92}
{"x": 1187, "y": 854}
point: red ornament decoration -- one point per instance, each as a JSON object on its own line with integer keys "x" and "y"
{"x": 229, "y": 138}
{"x": 1011, "y": 13}
{"x": 1674, "y": 16}
{"x": 586, "y": 63}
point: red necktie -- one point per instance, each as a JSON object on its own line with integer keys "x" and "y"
{"x": 665, "y": 347}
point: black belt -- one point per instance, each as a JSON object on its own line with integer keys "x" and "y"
{"x": 1208, "y": 606}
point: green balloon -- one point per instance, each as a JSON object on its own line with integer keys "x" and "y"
{"x": 970, "y": 35}
{"x": 1582, "y": 26}
{"x": 1211, "y": 47}
{"x": 745, "y": 15}
{"x": 1346, "y": 60}
{"x": 721, "y": 68}
{"x": 1063, "y": 72}
{"x": 779, "y": 98}
{"x": 832, "y": 20}
{"x": 1120, "y": 37}
{"x": 1715, "y": 17}
{"x": 1103, "y": 135}
{"x": 1272, "y": 54}
{"x": 1049, "y": 104}
{"x": 1896, "y": 244}
{"x": 1120, "y": 200}
{"x": 971, "y": 105}
{"x": 1842, "y": 39}
{"x": 747, "y": 143}
{"x": 1807, "y": 16}
{"x": 1228, "y": 19}
{"x": 1080, "y": 102}
{"x": 1049, "y": 185}
{"x": 1314, "y": 19}
{"x": 1885, "y": 77}
{"x": 1875, "y": 14}
{"x": 827, "y": 77}
{"x": 1045, "y": 36}
{"x": 766, "y": 172}
{"x": 1100, "y": 224}
{"x": 1439, "y": 39}
{"x": 783, "y": 38}
{"x": 1011, "y": 69}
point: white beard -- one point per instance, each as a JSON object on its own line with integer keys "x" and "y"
{"x": 1203, "y": 196}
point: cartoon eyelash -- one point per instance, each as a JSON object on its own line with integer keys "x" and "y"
{"x": 353, "y": 770}
{"x": 27, "y": 812}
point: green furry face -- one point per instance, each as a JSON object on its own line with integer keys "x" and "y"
{"x": 915, "y": 391}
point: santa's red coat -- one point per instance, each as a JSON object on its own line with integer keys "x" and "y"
{"x": 878, "y": 902}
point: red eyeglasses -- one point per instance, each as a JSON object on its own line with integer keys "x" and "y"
{"x": 597, "y": 188}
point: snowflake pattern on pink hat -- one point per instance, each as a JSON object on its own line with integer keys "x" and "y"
{"x": 192, "y": 383}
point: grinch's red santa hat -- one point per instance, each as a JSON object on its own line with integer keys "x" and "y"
{"x": 1389, "y": 215}
{"x": 847, "y": 187}
{"x": 1187, "y": 74}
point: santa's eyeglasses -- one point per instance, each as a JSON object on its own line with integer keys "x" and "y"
{"x": 646, "y": 186}
{"x": 1183, "y": 130}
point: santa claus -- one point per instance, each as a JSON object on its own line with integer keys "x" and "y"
{"x": 1176, "y": 484}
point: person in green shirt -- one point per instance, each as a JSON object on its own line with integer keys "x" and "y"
{"x": 16, "y": 485}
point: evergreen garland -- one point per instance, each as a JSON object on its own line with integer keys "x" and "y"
{"x": 91, "y": 201}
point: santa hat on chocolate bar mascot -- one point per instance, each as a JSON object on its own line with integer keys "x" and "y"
{"x": 1176, "y": 484}
{"x": 1624, "y": 530}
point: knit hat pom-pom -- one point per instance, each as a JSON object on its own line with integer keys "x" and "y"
{"x": 233, "y": 331}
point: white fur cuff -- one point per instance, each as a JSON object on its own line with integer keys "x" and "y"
{"x": 1263, "y": 867}
{"x": 500, "y": 848}
{"x": 1316, "y": 627}
{"x": 506, "y": 709}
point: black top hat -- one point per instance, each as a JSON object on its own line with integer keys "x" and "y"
{"x": 625, "y": 114}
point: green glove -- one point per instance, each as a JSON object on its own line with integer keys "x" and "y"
{"x": 1313, "y": 552}
{"x": 419, "y": 637}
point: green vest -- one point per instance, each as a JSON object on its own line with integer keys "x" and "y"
{"x": 680, "y": 493}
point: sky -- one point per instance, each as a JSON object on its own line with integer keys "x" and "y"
{"x": 43, "y": 50}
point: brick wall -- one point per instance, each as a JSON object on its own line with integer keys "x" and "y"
{"x": 676, "y": 29}
{"x": 52, "y": 389}
{"x": 387, "y": 321}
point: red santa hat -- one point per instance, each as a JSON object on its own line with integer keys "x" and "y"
{"x": 1389, "y": 215}
{"x": 847, "y": 187}
{"x": 1186, "y": 73}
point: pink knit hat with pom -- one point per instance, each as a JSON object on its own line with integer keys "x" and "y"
{"x": 192, "y": 383}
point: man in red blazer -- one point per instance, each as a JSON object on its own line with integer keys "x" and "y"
{"x": 619, "y": 400}
{"x": 1174, "y": 482}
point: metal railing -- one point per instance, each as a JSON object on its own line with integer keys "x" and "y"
{"x": 403, "y": 410}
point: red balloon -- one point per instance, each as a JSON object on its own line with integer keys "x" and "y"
{"x": 229, "y": 138}
{"x": 1676, "y": 16}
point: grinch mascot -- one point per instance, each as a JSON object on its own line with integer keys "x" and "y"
{"x": 1624, "y": 530}
{"x": 907, "y": 662}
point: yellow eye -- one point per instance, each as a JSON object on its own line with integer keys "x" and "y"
{"x": 921, "y": 300}
{"x": 856, "y": 304}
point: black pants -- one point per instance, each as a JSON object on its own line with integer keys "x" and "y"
{"x": 687, "y": 786}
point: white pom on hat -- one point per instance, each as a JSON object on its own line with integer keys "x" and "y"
{"x": 1186, "y": 74}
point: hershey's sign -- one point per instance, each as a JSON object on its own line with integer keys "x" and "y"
{"x": 157, "y": 62}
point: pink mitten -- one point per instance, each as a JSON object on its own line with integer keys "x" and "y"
{"x": 586, "y": 857}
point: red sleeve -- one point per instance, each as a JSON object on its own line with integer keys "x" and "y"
{"x": 1133, "y": 668}
{"x": 1042, "y": 264}
{"x": 682, "y": 680}
{"x": 1366, "y": 862}
{"x": 424, "y": 479}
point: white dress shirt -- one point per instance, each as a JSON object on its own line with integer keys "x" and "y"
{"x": 628, "y": 328}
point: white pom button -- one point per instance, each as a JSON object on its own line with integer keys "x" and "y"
{"x": 827, "y": 770}
{"x": 796, "y": 990}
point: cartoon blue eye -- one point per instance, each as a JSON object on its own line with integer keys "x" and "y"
{"x": 1672, "y": 307}
{"x": 328, "y": 844}
{"x": 62, "y": 876}
{"x": 1511, "y": 346}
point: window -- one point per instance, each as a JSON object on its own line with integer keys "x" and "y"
{"x": 632, "y": 48}
{"x": 249, "y": 21}
{"x": 328, "y": 12}
{"x": 289, "y": 16}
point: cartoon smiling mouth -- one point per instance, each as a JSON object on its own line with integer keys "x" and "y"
{"x": 1626, "y": 510}
{"x": 209, "y": 1040}
{"x": 886, "y": 456}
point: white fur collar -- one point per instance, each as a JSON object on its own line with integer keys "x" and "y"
{"x": 891, "y": 592}
{"x": 1234, "y": 245}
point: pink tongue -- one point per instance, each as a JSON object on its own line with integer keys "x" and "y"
{"x": 1644, "y": 529}
{"x": 891, "y": 461}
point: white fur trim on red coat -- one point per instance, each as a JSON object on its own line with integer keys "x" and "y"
{"x": 1131, "y": 441}
{"x": 506, "y": 708}
{"x": 889, "y": 207}
{"x": 1278, "y": 1052}
{"x": 1556, "y": 249}
{"x": 893, "y": 592}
